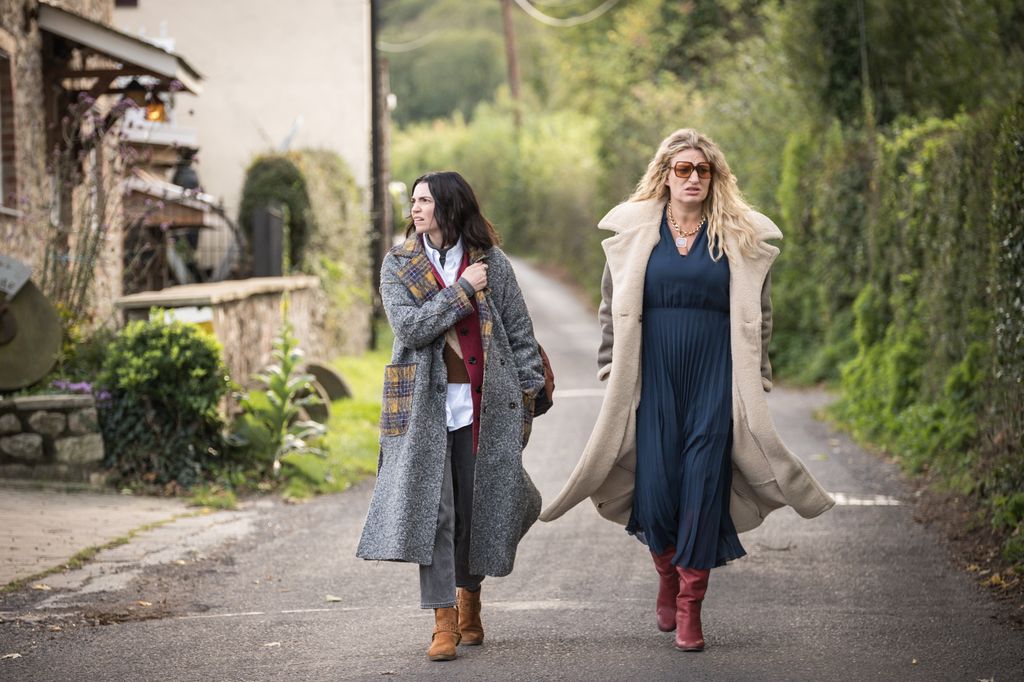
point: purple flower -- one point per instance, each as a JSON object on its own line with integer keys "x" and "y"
{"x": 72, "y": 386}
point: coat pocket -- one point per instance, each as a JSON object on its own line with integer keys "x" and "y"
{"x": 396, "y": 405}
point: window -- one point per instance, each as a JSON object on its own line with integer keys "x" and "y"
{"x": 8, "y": 176}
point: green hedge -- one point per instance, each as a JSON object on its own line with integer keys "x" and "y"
{"x": 277, "y": 180}
{"x": 902, "y": 275}
{"x": 327, "y": 232}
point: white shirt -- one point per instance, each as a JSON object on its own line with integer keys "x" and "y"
{"x": 458, "y": 408}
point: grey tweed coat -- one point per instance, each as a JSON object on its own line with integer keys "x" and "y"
{"x": 402, "y": 519}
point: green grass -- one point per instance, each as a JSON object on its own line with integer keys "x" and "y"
{"x": 213, "y": 497}
{"x": 352, "y": 430}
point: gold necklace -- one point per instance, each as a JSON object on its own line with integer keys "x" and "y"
{"x": 681, "y": 240}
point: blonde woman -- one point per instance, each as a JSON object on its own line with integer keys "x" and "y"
{"x": 695, "y": 459}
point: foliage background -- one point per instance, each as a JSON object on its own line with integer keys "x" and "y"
{"x": 885, "y": 138}
{"x": 325, "y": 235}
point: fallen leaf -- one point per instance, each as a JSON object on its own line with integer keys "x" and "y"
{"x": 913, "y": 662}
{"x": 995, "y": 580}
{"x": 180, "y": 562}
{"x": 819, "y": 457}
{"x": 272, "y": 644}
{"x": 144, "y": 603}
{"x": 56, "y": 628}
{"x": 42, "y": 586}
{"x": 9, "y": 656}
{"x": 332, "y": 598}
{"x": 974, "y": 568}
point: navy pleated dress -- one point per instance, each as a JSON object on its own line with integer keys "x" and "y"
{"x": 684, "y": 419}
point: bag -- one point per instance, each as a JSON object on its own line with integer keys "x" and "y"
{"x": 546, "y": 397}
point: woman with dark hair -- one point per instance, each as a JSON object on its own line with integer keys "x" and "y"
{"x": 451, "y": 492}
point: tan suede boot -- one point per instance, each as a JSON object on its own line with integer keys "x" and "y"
{"x": 446, "y": 635}
{"x": 469, "y": 617}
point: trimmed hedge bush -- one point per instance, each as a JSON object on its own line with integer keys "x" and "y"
{"x": 161, "y": 423}
{"x": 901, "y": 275}
{"x": 327, "y": 233}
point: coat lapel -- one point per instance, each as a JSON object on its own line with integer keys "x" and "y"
{"x": 746, "y": 277}
{"x": 418, "y": 277}
{"x": 416, "y": 274}
{"x": 627, "y": 254}
{"x": 483, "y": 307}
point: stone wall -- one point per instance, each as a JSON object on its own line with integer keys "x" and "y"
{"x": 245, "y": 316}
{"x": 21, "y": 214}
{"x": 54, "y": 437}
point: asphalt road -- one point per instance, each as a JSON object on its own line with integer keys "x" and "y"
{"x": 861, "y": 593}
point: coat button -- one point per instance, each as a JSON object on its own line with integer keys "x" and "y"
{"x": 441, "y": 388}
{"x": 472, "y": 361}
{"x": 511, "y": 404}
{"x": 478, "y": 389}
{"x": 464, "y": 331}
{"x": 502, "y": 361}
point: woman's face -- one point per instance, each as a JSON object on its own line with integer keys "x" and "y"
{"x": 692, "y": 189}
{"x": 423, "y": 213}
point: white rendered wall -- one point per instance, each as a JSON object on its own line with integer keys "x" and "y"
{"x": 270, "y": 69}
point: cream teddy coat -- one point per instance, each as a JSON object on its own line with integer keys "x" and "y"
{"x": 766, "y": 475}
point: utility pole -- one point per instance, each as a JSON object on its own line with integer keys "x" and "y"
{"x": 512, "y": 59}
{"x": 387, "y": 215}
{"x": 378, "y": 181}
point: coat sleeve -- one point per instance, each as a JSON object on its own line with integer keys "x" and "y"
{"x": 418, "y": 323}
{"x": 604, "y": 316}
{"x": 766, "y": 332}
{"x": 515, "y": 317}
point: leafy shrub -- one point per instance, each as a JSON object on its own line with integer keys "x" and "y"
{"x": 161, "y": 423}
{"x": 935, "y": 378}
{"x": 326, "y": 235}
{"x": 269, "y": 428}
{"x": 276, "y": 180}
{"x": 538, "y": 185}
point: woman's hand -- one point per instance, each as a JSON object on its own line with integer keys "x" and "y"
{"x": 476, "y": 275}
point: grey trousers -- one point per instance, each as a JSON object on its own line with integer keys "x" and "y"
{"x": 449, "y": 566}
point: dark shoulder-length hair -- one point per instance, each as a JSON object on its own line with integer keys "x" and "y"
{"x": 457, "y": 211}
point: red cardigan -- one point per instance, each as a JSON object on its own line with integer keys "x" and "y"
{"x": 471, "y": 345}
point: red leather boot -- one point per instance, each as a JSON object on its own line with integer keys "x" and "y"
{"x": 668, "y": 590}
{"x": 693, "y": 583}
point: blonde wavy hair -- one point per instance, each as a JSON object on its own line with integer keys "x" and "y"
{"x": 727, "y": 211}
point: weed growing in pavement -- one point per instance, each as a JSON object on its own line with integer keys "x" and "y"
{"x": 213, "y": 497}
